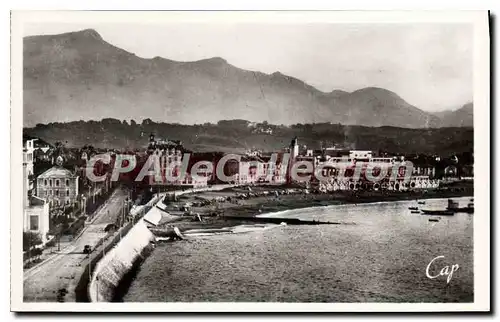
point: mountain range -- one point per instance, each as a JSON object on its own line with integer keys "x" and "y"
{"x": 79, "y": 76}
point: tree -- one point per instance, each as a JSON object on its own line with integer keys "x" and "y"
{"x": 36, "y": 253}
{"x": 147, "y": 121}
{"x": 30, "y": 239}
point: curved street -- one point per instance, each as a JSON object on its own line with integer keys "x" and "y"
{"x": 42, "y": 282}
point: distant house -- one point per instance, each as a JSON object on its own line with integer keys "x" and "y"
{"x": 43, "y": 154}
{"x": 58, "y": 185}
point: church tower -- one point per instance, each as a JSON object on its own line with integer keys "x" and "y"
{"x": 294, "y": 148}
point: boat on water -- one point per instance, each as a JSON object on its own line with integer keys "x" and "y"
{"x": 434, "y": 219}
{"x": 421, "y": 202}
{"x": 437, "y": 212}
{"x": 453, "y": 206}
{"x": 415, "y": 211}
{"x": 413, "y": 208}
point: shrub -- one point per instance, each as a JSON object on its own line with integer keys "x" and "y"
{"x": 30, "y": 239}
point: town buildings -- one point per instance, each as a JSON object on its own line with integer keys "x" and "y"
{"x": 263, "y": 169}
{"x": 35, "y": 210}
{"x": 170, "y": 154}
{"x": 333, "y": 168}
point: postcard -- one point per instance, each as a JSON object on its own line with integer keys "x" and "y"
{"x": 316, "y": 161}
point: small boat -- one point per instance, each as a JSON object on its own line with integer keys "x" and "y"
{"x": 415, "y": 211}
{"x": 468, "y": 210}
{"x": 437, "y": 212}
{"x": 413, "y": 208}
{"x": 453, "y": 206}
{"x": 421, "y": 202}
{"x": 434, "y": 219}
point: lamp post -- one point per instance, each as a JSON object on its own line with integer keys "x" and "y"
{"x": 59, "y": 240}
{"x": 97, "y": 288}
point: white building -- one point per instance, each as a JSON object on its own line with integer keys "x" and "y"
{"x": 28, "y": 160}
{"x": 357, "y": 154}
{"x": 36, "y": 215}
{"x": 59, "y": 186}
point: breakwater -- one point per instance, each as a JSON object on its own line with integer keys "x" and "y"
{"x": 123, "y": 255}
{"x": 275, "y": 220}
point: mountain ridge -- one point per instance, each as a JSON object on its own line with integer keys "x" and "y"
{"x": 80, "y": 76}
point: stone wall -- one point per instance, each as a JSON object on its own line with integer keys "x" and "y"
{"x": 110, "y": 270}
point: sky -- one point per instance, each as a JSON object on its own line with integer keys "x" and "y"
{"x": 428, "y": 65}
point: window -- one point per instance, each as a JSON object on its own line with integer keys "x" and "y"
{"x": 33, "y": 222}
{"x": 50, "y": 182}
{"x": 67, "y": 182}
{"x": 67, "y": 201}
{"x": 57, "y": 182}
{"x": 45, "y": 182}
{"x": 67, "y": 193}
{"x": 57, "y": 193}
{"x": 51, "y": 192}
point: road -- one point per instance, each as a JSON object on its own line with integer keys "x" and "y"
{"x": 62, "y": 270}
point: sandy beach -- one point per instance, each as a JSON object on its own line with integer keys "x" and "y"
{"x": 213, "y": 206}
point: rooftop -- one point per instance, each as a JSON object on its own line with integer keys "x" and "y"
{"x": 57, "y": 171}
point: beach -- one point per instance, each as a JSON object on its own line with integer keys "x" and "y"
{"x": 213, "y": 206}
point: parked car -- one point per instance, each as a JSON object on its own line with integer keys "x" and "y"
{"x": 87, "y": 249}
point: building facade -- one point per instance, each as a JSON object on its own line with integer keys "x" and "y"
{"x": 36, "y": 217}
{"x": 170, "y": 158}
{"x": 28, "y": 161}
{"x": 35, "y": 210}
{"x": 58, "y": 186}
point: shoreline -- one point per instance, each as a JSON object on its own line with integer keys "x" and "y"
{"x": 213, "y": 214}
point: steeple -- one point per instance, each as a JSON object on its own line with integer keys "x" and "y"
{"x": 294, "y": 148}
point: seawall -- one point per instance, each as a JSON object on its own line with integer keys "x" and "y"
{"x": 83, "y": 285}
{"x": 111, "y": 269}
{"x": 108, "y": 271}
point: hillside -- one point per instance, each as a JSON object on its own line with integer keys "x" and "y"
{"x": 79, "y": 76}
{"x": 241, "y": 135}
{"x": 464, "y": 116}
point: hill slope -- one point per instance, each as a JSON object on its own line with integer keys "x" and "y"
{"x": 241, "y": 135}
{"x": 464, "y": 116}
{"x": 79, "y": 76}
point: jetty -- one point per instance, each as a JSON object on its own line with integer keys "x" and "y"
{"x": 279, "y": 220}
